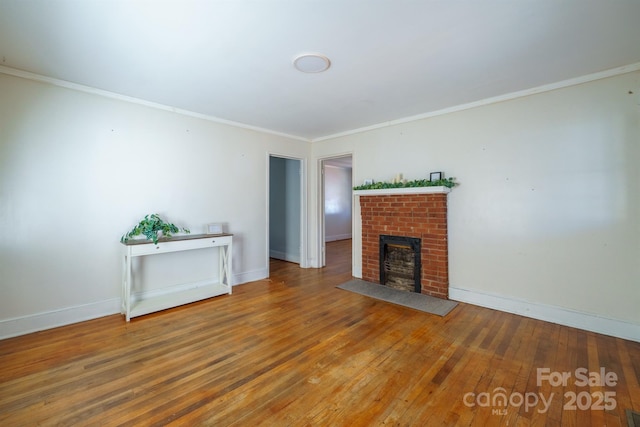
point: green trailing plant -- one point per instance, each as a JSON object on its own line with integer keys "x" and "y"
{"x": 150, "y": 226}
{"x": 444, "y": 182}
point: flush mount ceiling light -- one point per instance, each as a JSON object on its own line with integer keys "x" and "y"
{"x": 311, "y": 63}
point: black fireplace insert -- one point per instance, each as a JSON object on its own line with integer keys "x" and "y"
{"x": 400, "y": 262}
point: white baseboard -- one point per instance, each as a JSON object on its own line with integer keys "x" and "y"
{"x": 250, "y": 276}
{"x": 284, "y": 256}
{"x": 337, "y": 237}
{"x": 52, "y": 319}
{"x": 549, "y": 313}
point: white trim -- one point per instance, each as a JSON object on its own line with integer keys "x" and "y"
{"x": 250, "y": 276}
{"x": 549, "y": 313}
{"x": 66, "y": 316}
{"x": 321, "y": 259}
{"x": 487, "y": 101}
{"x": 493, "y": 100}
{"x": 100, "y": 92}
{"x": 55, "y": 318}
{"x": 356, "y": 242}
{"x": 304, "y": 209}
{"x": 403, "y": 190}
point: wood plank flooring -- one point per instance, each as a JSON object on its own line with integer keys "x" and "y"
{"x": 295, "y": 351}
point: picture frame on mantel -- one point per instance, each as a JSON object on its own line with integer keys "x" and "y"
{"x": 436, "y": 176}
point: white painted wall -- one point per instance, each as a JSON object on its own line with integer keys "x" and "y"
{"x": 547, "y": 214}
{"x": 337, "y": 203}
{"x": 78, "y": 170}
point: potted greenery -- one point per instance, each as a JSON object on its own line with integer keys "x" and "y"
{"x": 150, "y": 227}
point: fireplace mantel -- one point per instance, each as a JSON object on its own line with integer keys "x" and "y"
{"x": 403, "y": 190}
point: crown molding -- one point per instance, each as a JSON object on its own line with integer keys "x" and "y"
{"x": 107, "y": 94}
{"x": 487, "y": 101}
{"x": 493, "y": 100}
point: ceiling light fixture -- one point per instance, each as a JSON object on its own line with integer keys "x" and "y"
{"x": 311, "y": 63}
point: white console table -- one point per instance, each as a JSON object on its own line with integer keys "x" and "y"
{"x": 189, "y": 292}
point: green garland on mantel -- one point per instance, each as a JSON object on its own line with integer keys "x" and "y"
{"x": 445, "y": 182}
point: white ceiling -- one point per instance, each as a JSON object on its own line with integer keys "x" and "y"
{"x": 391, "y": 59}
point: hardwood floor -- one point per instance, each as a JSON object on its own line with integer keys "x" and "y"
{"x": 294, "y": 350}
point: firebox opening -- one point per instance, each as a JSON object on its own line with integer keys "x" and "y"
{"x": 400, "y": 265}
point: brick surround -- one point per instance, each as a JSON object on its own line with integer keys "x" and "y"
{"x": 412, "y": 215}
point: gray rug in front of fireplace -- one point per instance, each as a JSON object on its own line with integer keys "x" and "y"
{"x": 414, "y": 300}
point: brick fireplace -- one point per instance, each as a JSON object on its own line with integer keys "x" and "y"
{"x": 422, "y": 216}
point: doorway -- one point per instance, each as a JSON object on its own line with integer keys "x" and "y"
{"x": 285, "y": 212}
{"x": 337, "y": 199}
